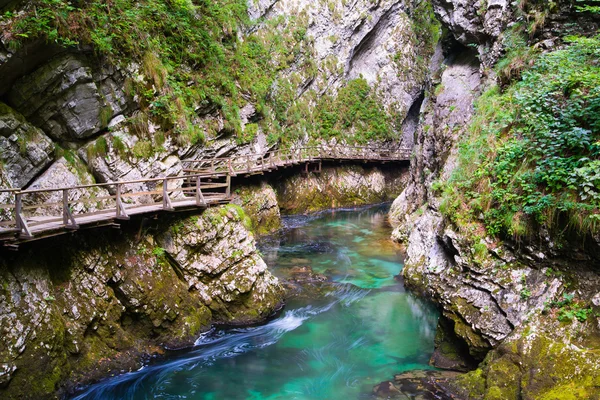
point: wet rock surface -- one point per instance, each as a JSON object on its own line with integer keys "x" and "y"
{"x": 304, "y": 283}
{"x": 419, "y": 385}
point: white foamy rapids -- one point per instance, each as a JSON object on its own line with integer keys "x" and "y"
{"x": 347, "y": 294}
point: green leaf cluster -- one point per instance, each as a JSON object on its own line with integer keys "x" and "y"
{"x": 195, "y": 55}
{"x": 569, "y": 309}
{"x": 533, "y": 154}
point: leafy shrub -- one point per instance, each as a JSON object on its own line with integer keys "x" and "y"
{"x": 533, "y": 153}
{"x": 568, "y": 309}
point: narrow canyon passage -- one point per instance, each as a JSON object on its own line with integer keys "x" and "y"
{"x": 336, "y": 341}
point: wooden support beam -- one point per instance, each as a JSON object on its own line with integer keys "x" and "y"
{"x": 121, "y": 213}
{"x": 167, "y": 206}
{"x": 68, "y": 218}
{"x": 200, "y": 201}
{"x": 24, "y": 231}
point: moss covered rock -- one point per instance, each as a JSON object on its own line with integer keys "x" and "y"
{"x": 545, "y": 360}
{"x": 348, "y": 185}
{"x": 101, "y": 302}
{"x": 259, "y": 202}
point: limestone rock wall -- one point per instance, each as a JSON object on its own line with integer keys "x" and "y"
{"x": 98, "y": 304}
{"x": 61, "y": 100}
{"x": 358, "y": 38}
{"x": 333, "y": 187}
{"x": 259, "y": 201}
{"x": 496, "y": 296}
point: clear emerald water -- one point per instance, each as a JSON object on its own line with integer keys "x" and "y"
{"x": 336, "y": 346}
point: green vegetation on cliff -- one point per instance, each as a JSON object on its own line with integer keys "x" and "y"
{"x": 191, "y": 59}
{"x": 191, "y": 54}
{"x": 533, "y": 154}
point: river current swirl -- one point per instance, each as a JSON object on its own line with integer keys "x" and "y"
{"x": 334, "y": 346}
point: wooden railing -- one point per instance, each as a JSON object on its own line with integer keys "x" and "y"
{"x": 25, "y": 214}
{"x": 258, "y": 162}
{"x": 39, "y": 210}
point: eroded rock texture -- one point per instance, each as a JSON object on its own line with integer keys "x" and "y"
{"x": 66, "y": 100}
{"x": 259, "y": 201}
{"x": 498, "y": 298}
{"x": 344, "y": 186}
{"x": 73, "y": 313}
{"x": 24, "y": 149}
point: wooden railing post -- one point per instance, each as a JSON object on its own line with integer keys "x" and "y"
{"x": 229, "y": 167}
{"x": 121, "y": 214}
{"x": 20, "y": 219}
{"x": 228, "y": 189}
{"x": 200, "y": 201}
{"x": 166, "y": 200}
{"x": 248, "y": 164}
{"x": 68, "y": 218}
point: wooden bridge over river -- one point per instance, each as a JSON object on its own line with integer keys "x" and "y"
{"x": 34, "y": 214}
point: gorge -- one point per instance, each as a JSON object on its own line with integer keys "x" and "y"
{"x": 495, "y": 212}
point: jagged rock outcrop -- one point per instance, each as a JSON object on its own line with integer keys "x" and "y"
{"x": 66, "y": 173}
{"x": 97, "y": 305}
{"x": 473, "y": 21}
{"x": 24, "y": 149}
{"x": 67, "y": 99}
{"x": 483, "y": 301}
{"x": 358, "y": 38}
{"x": 445, "y": 115}
{"x": 259, "y": 201}
{"x": 476, "y": 23}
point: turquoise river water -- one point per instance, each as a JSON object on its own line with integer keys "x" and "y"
{"x": 336, "y": 346}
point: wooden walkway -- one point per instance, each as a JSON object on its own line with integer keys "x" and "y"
{"x": 29, "y": 215}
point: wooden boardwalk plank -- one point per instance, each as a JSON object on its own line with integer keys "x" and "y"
{"x": 197, "y": 174}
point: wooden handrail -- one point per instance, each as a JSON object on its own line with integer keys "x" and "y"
{"x": 195, "y": 181}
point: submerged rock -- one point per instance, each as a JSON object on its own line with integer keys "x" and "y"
{"x": 419, "y": 385}
{"x": 303, "y": 282}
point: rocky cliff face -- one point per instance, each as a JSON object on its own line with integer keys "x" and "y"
{"x": 375, "y": 40}
{"x": 507, "y": 304}
{"x": 74, "y": 313}
{"x": 70, "y": 103}
{"x": 333, "y": 187}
